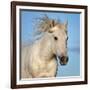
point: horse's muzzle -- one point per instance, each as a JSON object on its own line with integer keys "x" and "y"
{"x": 63, "y": 60}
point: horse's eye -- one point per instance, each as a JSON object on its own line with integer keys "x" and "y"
{"x": 55, "y": 38}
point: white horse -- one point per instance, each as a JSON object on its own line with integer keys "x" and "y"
{"x": 39, "y": 59}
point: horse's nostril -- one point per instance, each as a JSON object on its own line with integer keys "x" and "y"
{"x": 62, "y": 58}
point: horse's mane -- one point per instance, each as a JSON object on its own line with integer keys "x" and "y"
{"x": 44, "y": 23}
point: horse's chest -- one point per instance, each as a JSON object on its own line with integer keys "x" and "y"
{"x": 47, "y": 65}
{"x": 43, "y": 68}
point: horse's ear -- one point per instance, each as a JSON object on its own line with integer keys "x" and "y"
{"x": 53, "y": 23}
{"x": 66, "y": 24}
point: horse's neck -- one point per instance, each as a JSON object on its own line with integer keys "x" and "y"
{"x": 46, "y": 47}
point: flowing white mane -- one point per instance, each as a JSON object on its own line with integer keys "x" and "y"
{"x": 44, "y": 24}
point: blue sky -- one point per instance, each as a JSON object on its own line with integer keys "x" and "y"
{"x": 27, "y": 30}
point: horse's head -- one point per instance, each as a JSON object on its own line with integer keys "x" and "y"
{"x": 59, "y": 35}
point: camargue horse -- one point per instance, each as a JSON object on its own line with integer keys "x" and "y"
{"x": 40, "y": 58}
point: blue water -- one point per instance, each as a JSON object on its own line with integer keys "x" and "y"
{"x": 72, "y": 68}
